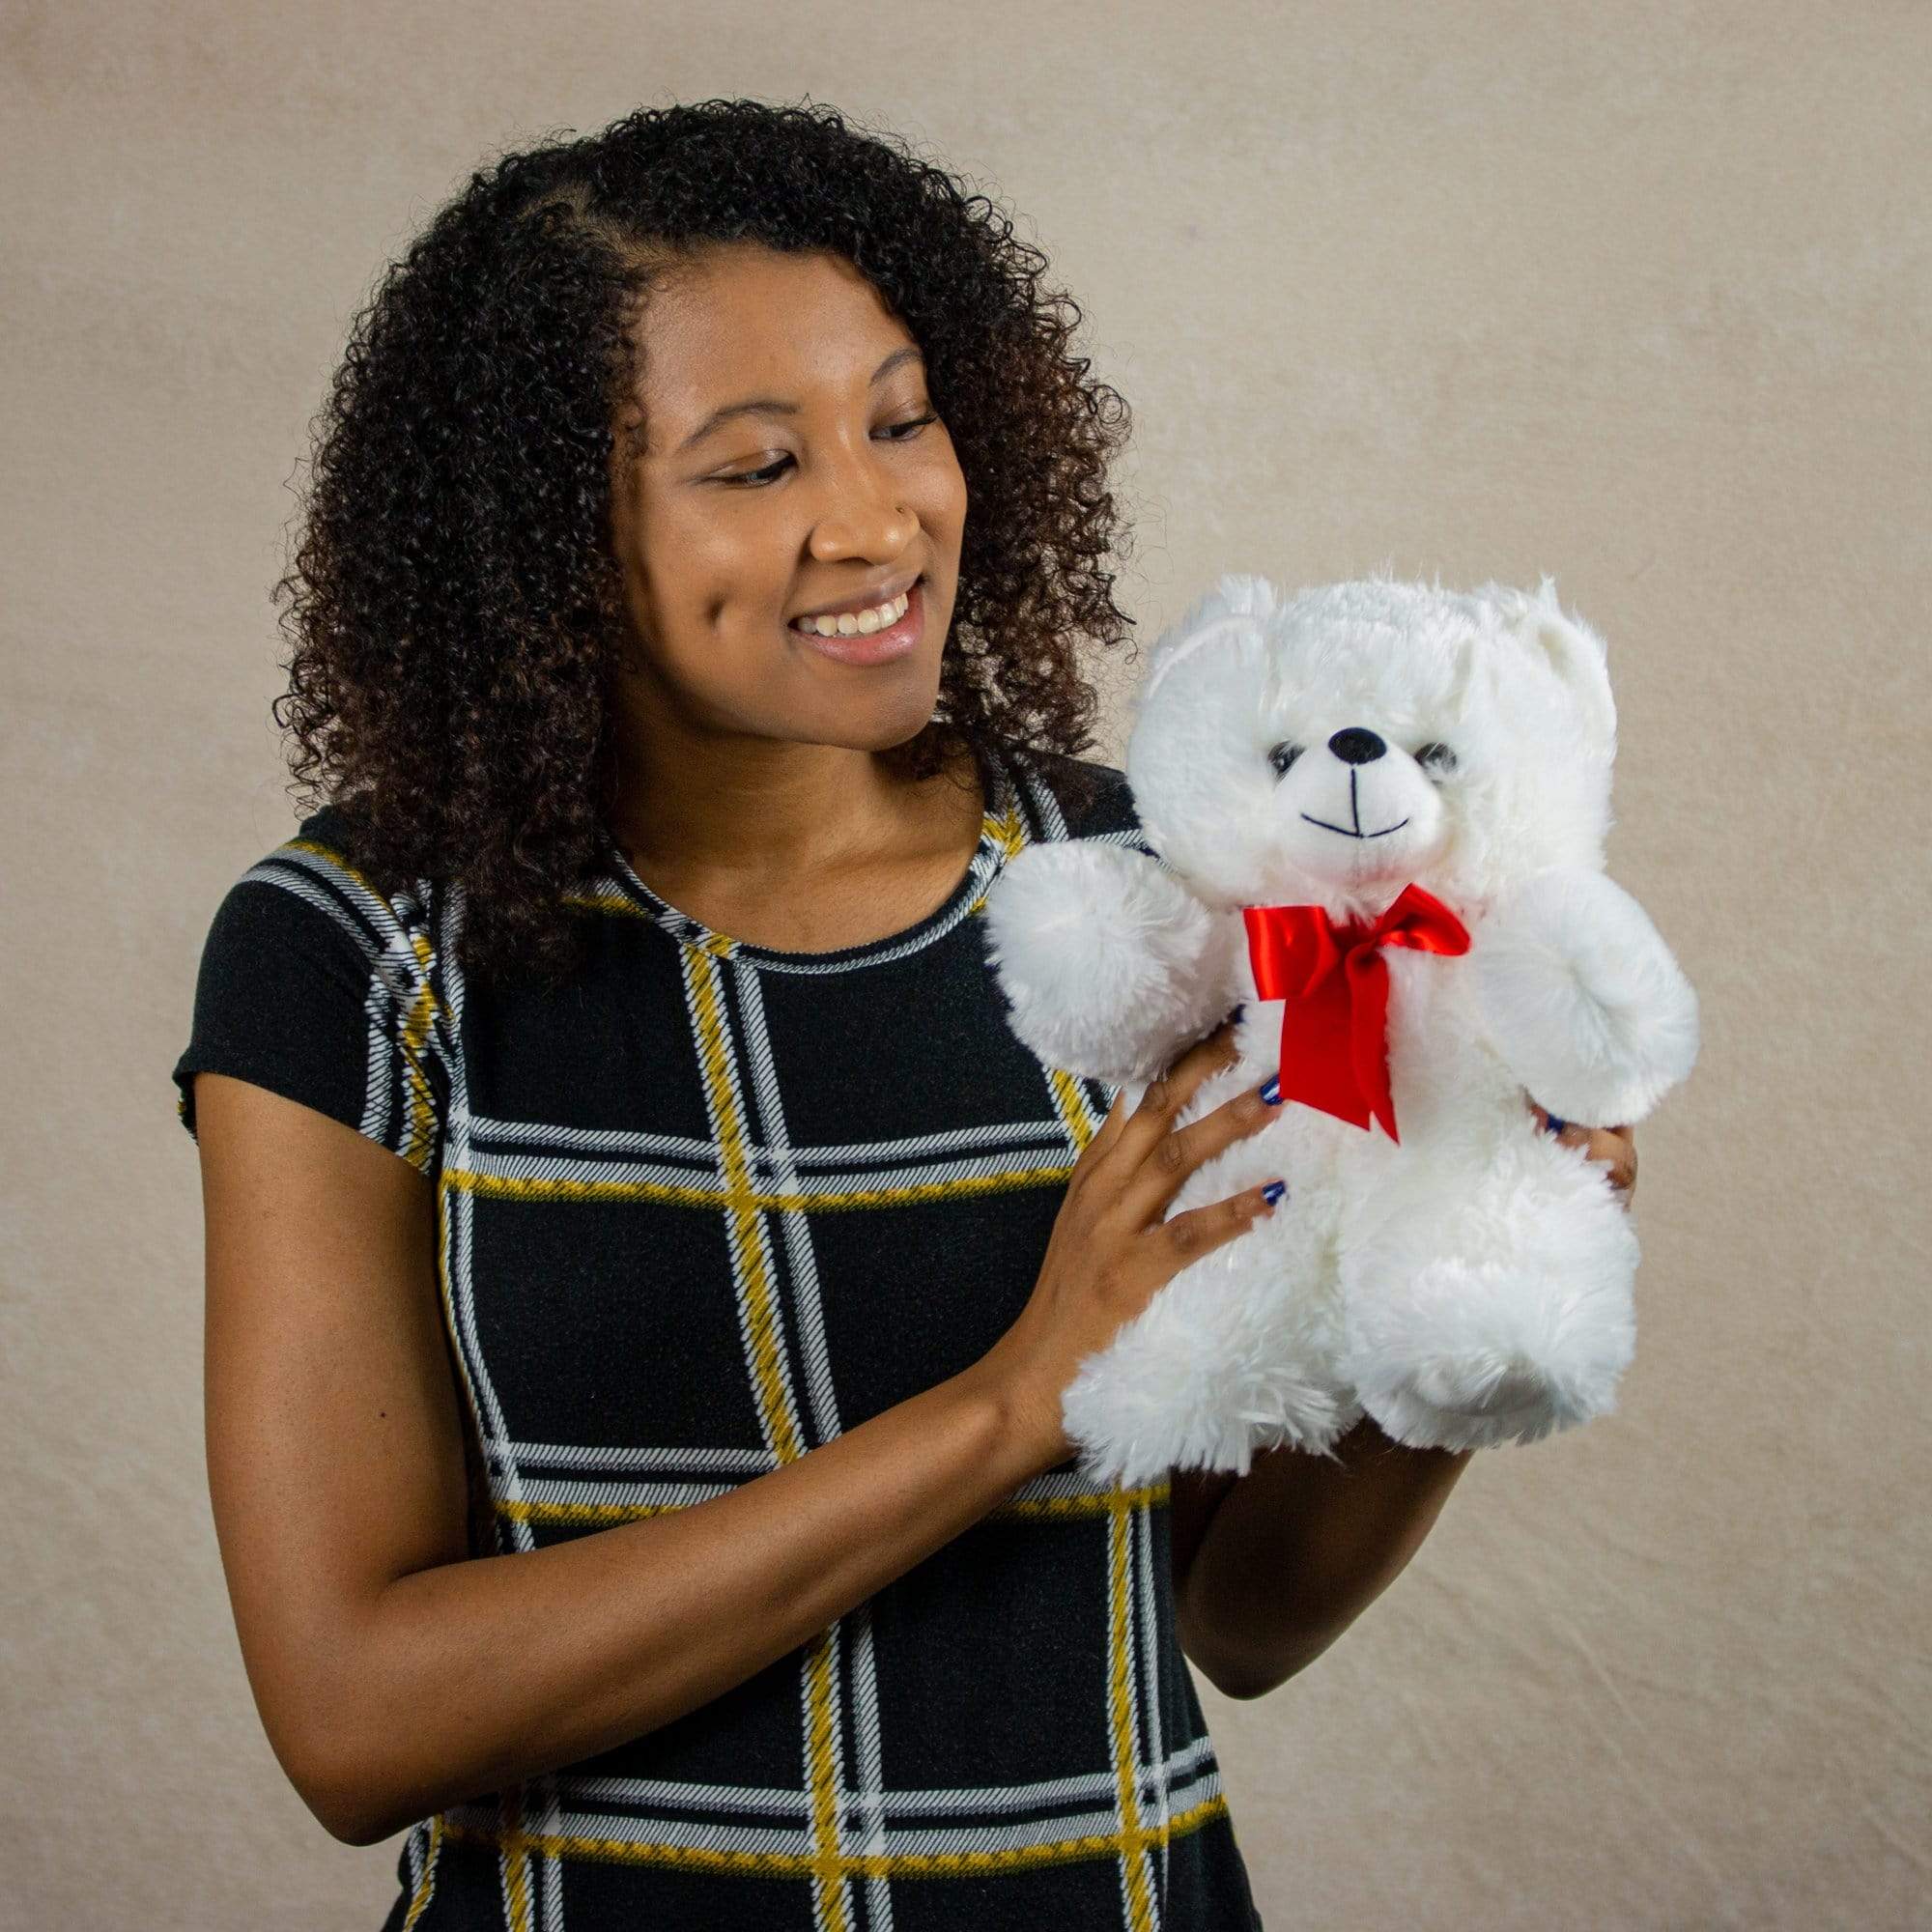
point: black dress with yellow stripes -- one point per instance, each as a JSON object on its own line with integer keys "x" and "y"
{"x": 699, "y": 1211}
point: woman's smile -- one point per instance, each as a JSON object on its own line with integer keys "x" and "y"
{"x": 882, "y": 644}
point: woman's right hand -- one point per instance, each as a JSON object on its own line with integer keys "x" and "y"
{"x": 1111, "y": 1251}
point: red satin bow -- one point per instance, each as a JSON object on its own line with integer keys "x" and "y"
{"x": 1334, "y": 1027}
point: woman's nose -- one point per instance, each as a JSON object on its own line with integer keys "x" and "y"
{"x": 871, "y": 533}
{"x": 862, "y": 511}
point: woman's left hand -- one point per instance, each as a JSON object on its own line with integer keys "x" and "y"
{"x": 1615, "y": 1146}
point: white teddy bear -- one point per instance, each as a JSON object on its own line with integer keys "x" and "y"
{"x": 1430, "y": 772}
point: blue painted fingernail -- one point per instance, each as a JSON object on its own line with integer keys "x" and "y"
{"x": 1272, "y": 1090}
{"x": 1556, "y": 1126}
{"x": 1273, "y": 1191}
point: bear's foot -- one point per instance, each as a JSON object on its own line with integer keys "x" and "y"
{"x": 1129, "y": 1434}
{"x": 1467, "y": 1355}
{"x": 1479, "y": 1384}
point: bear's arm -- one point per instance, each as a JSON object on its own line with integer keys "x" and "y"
{"x": 1108, "y": 962}
{"x": 1582, "y": 999}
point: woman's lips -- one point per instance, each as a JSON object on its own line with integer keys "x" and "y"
{"x": 882, "y": 647}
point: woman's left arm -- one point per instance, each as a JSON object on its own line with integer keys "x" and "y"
{"x": 1270, "y": 1568}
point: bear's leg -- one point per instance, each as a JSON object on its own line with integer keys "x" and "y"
{"x": 1232, "y": 1354}
{"x": 1493, "y": 1306}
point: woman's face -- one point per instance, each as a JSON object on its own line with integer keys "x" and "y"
{"x": 831, "y": 489}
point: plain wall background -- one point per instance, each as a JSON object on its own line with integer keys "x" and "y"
{"x": 1635, "y": 293}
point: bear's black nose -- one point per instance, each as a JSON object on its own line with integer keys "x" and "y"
{"x": 1355, "y": 745}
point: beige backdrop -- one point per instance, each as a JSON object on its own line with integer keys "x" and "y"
{"x": 1633, "y": 293}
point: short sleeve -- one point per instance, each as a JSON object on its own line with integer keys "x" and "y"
{"x": 1107, "y": 814}
{"x": 319, "y": 988}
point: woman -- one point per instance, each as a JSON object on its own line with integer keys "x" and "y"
{"x": 641, "y": 1263}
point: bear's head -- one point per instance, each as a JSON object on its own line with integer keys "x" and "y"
{"x": 1330, "y": 747}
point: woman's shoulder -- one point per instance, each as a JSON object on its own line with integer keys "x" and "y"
{"x": 317, "y": 984}
{"x": 330, "y": 836}
{"x": 317, "y": 887}
{"x": 1068, "y": 796}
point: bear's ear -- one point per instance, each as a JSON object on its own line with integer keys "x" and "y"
{"x": 1574, "y": 652}
{"x": 1236, "y": 596}
{"x": 1242, "y": 595}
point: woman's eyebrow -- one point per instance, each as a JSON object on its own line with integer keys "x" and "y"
{"x": 772, "y": 406}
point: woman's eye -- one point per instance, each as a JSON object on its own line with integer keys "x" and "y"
{"x": 771, "y": 471}
{"x": 1435, "y": 757}
{"x": 1282, "y": 756}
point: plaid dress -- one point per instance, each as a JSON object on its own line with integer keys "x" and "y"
{"x": 699, "y": 1212}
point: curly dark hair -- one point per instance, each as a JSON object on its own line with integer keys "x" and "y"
{"x": 454, "y": 600}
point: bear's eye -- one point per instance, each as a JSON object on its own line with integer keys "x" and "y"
{"x": 1282, "y": 756}
{"x": 1435, "y": 757}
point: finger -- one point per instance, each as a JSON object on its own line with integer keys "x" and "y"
{"x": 1199, "y": 1229}
{"x": 1109, "y": 1129}
{"x": 1155, "y": 1182}
{"x": 1159, "y": 1178}
{"x": 1615, "y": 1148}
{"x": 1166, "y": 1098}
{"x": 1610, "y": 1148}
{"x": 1565, "y": 1131}
{"x": 1119, "y": 1114}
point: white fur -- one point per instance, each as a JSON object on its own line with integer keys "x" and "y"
{"x": 1582, "y": 999}
{"x": 1106, "y": 958}
{"x": 1472, "y": 1284}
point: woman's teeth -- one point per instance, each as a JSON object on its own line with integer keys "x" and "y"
{"x": 857, "y": 623}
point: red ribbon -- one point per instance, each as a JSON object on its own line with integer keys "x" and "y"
{"x": 1334, "y": 980}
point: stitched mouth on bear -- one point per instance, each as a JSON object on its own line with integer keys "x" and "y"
{"x": 1355, "y": 807}
{"x": 1348, "y": 834}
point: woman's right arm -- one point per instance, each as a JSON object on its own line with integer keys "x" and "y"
{"x": 394, "y": 1673}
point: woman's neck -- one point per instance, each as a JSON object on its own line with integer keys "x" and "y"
{"x": 772, "y": 812}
